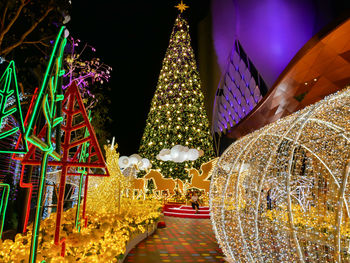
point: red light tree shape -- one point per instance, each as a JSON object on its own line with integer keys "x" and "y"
{"x": 75, "y": 123}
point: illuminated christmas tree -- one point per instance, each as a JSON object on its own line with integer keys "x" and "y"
{"x": 177, "y": 115}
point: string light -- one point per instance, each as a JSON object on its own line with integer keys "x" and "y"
{"x": 280, "y": 194}
{"x": 108, "y": 188}
{"x": 103, "y": 240}
{"x": 181, "y": 102}
{"x": 108, "y": 230}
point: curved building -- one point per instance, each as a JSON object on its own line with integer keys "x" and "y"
{"x": 290, "y": 54}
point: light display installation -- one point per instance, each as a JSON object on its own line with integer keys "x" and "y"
{"x": 22, "y": 183}
{"x": 75, "y": 122}
{"x": 103, "y": 240}
{"x": 281, "y": 194}
{"x": 83, "y": 157}
{"x": 104, "y": 193}
{"x": 48, "y": 100}
{"x": 8, "y": 91}
{"x": 177, "y": 115}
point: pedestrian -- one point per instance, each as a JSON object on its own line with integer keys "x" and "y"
{"x": 195, "y": 202}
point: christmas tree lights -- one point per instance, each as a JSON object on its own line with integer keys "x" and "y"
{"x": 177, "y": 115}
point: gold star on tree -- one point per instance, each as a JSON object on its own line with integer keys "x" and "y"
{"x": 182, "y": 7}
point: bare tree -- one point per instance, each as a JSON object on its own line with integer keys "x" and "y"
{"x": 24, "y": 22}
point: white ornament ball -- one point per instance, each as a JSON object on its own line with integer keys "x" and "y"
{"x": 123, "y": 162}
{"x": 175, "y": 151}
{"x": 145, "y": 163}
{"x": 138, "y": 157}
{"x": 193, "y": 154}
{"x": 164, "y": 152}
{"x": 133, "y": 160}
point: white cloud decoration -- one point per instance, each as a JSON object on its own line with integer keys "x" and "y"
{"x": 134, "y": 160}
{"x": 179, "y": 154}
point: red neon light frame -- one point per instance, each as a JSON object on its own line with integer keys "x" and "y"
{"x": 72, "y": 97}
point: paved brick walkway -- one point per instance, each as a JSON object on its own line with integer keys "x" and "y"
{"x": 183, "y": 240}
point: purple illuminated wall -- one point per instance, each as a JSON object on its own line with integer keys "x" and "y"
{"x": 270, "y": 31}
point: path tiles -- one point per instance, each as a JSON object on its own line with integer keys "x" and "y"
{"x": 183, "y": 240}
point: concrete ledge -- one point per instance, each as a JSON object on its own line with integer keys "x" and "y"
{"x": 150, "y": 229}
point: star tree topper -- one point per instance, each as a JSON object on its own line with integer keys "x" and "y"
{"x": 182, "y": 7}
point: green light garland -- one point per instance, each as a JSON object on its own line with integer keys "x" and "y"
{"x": 48, "y": 98}
{"x": 3, "y": 205}
{"x": 8, "y": 82}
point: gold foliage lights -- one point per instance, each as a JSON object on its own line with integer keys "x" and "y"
{"x": 104, "y": 193}
{"x": 103, "y": 240}
{"x": 281, "y": 194}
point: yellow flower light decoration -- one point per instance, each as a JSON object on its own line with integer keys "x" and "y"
{"x": 113, "y": 220}
{"x": 104, "y": 239}
{"x": 105, "y": 193}
{"x": 281, "y": 194}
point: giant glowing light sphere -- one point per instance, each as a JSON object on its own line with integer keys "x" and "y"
{"x": 282, "y": 193}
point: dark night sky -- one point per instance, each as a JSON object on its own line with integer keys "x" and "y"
{"x": 131, "y": 37}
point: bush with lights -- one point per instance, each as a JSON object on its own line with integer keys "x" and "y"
{"x": 112, "y": 222}
{"x": 103, "y": 240}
